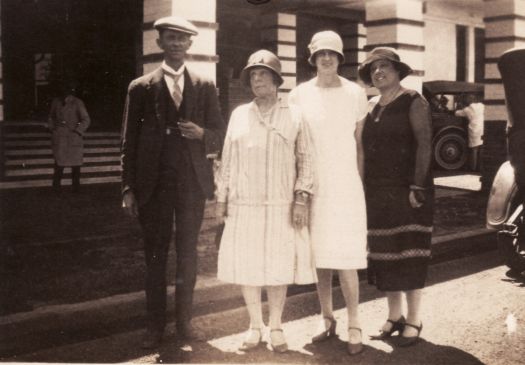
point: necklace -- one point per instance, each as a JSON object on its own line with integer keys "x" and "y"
{"x": 391, "y": 96}
{"x": 382, "y": 105}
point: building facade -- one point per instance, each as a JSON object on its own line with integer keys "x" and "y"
{"x": 105, "y": 44}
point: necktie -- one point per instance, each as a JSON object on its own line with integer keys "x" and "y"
{"x": 177, "y": 92}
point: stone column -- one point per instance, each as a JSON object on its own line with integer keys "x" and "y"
{"x": 354, "y": 42}
{"x": 202, "y": 55}
{"x": 398, "y": 24}
{"x": 504, "y": 29}
{"x": 278, "y": 34}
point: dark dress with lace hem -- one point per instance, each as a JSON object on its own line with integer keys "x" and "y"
{"x": 397, "y": 145}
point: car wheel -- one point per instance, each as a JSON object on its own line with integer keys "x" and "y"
{"x": 450, "y": 151}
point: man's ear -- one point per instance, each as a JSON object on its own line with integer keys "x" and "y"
{"x": 159, "y": 43}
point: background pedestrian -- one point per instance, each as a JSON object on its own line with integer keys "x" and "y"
{"x": 68, "y": 120}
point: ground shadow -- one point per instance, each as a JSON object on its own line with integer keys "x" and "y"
{"x": 333, "y": 351}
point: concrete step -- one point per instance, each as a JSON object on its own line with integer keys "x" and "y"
{"x": 47, "y": 151}
{"x": 29, "y": 157}
{"x": 14, "y": 135}
{"x": 44, "y": 142}
{"x": 47, "y": 182}
{"x": 49, "y": 171}
{"x": 50, "y": 161}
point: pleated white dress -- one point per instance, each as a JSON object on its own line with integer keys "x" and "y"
{"x": 338, "y": 224}
{"x": 265, "y": 159}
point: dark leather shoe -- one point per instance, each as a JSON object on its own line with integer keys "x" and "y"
{"x": 409, "y": 341}
{"x": 397, "y": 326}
{"x": 187, "y": 331}
{"x": 152, "y": 339}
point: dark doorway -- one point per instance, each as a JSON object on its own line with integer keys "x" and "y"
{"x": 97, "y": 43}
{"x": 461, "y": 55}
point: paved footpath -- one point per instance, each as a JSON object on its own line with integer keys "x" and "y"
{"x": 473, "y": 314}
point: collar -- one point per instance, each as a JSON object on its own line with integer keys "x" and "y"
{"x": 170, "y": 71}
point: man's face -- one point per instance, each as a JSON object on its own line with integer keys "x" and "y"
{"x": 174, "y": 44}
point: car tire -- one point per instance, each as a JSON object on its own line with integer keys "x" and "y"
{"x": 450, "y": 150}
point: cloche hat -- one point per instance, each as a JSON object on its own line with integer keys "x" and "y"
{"x": 325, "y": 40}
{"x": 262, "y": 58}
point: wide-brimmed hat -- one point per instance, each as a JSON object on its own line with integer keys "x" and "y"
{"x": 326, "y": 40}
{"x": 383, "y": 53}
{"x": 262, "y": 58}
{"x": 177, "y": 24}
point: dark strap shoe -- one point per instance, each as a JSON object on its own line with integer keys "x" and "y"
{"x": 410, "y": 341}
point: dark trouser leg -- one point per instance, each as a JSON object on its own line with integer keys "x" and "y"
{"x": 75, "y": 176}
{"x": 189, "y": 211}
{"x": 57, "y": 176}
{"x": 156, "y": 218}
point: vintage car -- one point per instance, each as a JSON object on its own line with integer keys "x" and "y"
{"x": 450, "y": 148}
{"x": 506, "y": 204}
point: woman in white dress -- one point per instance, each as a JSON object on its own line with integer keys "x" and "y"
{"x": 334, "y": 109}
{"x": 263, "y": 186}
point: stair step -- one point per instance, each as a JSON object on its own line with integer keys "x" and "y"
{"x": 47, "y": 182}
{"x": 87, "y": 143}
{"x": 49, "y": 171}
{"x": 12, "y": 135}
{"x": 47, "y": 151}
{"x": 50, "y": 161}
{"x": 29, "y": 158}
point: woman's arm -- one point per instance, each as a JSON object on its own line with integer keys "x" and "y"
{"x": 421, "y": 122}
{"x": 304, "y": 154}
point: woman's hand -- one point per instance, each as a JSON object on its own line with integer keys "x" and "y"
{"x": 221, "y": 211}
{"x": 416, "y": 198}
{"x": 299, "y": 215}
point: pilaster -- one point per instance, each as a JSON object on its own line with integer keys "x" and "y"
{"x": 278, "y": 35}
{"x": 202, "y": 56}
{"x": 398, "y": 24}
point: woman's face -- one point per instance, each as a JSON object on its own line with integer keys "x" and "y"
{"x": 262, "y": 82}
{"x": 326, "y": 62}
{"x": 383, "y": 74}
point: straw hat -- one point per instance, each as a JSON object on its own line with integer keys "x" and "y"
{"x": 383, "y": 53}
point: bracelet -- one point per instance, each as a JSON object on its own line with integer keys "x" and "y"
{"x": 416, "y": 187}
{"x": 299, "y": 202}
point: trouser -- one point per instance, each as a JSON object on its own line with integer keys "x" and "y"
{"x": 59, "y": 171}
{"x": 184, "y": 198}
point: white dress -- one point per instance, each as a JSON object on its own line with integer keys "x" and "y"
{"x": 338, "y": 224}
{"x": 264, "y": 160}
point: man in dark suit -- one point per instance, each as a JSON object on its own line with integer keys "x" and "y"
{"x": 171, "y": 123}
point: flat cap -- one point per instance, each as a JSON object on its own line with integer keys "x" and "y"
{"x": 176, "y": 23}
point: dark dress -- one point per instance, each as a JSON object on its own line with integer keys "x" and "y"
{"x": 397, "y": 149}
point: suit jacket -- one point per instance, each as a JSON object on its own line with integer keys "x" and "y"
{"x": 144, "y": 130}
